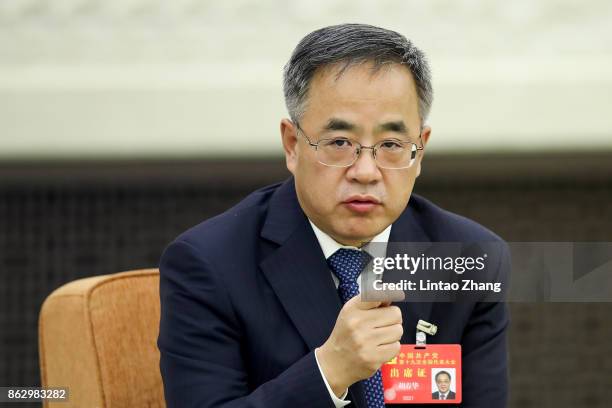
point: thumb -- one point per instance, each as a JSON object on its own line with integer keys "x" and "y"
{"x": 385, "y": 298}
{"x": 363, "y": 305}
{"x": 389, "y": 296}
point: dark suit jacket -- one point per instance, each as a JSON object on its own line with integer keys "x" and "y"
{"x": 436, "y": 395}
{"x": 247, "y": 296}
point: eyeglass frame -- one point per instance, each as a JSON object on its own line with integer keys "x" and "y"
{"x": 358, "y": 148}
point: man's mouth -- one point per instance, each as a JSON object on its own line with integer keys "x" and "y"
{"x": 361, "y": 203}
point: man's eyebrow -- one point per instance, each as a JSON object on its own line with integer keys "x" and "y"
{"x": 397, "y": 126}
{"x": 338, "y": 124}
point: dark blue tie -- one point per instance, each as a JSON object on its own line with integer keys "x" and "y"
{"x": 347, "y": 264}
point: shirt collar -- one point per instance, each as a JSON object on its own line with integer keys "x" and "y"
{"x": 329, "y": 245}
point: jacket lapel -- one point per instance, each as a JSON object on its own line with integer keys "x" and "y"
{"x": 297, "y": 270}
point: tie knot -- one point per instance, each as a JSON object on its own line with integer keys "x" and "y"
{"x": 347, "y": 264}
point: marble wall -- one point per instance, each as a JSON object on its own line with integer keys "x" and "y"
{"x": 146, "y": 78}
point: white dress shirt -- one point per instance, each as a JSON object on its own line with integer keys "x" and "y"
{"x": 329, "y": 246}
{"x": 443, "y": 395}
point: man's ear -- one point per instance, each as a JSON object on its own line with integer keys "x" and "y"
{"x": 424, "y": 139}
{"x": 290, "y": 143}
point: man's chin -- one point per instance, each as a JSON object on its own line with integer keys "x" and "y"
{"x": 359, "y": 235}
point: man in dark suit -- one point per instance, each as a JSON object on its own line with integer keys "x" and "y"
{"x": 443, "y": 381}
{"x": 260, "y": 305}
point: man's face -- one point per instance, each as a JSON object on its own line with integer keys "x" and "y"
{"x": 443, "y": 382}
{"x": 353, "y": 204}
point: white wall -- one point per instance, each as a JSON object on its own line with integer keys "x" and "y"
{"x": 145, "y": 78}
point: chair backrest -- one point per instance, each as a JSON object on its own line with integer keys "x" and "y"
{"x": 97, "y": 336}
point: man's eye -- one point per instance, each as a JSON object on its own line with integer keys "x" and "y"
{"x": 339, "y": 143}
{"x": 391, "y": 145}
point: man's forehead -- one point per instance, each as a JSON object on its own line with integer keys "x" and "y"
{"x": 339, "y": 123}
{"x": 392, "y": 88}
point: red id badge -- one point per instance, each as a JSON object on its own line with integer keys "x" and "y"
{"x": 423, "y": 374}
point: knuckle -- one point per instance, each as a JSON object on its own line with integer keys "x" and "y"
{"x": 362, "y": 354}
{"x": 361, "y": 339}
{"x": 357, "y": 339}
{"x": 397, "y": 313}
{"x": 352, "y": 323}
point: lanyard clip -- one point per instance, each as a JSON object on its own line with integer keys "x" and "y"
{"x": 424, "y": 328}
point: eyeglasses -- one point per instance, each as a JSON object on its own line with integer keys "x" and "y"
{"x": 394, "y": 154}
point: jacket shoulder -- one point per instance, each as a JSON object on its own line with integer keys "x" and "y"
{"x": 444, "y": 225}
{"x": 241, "y": 221}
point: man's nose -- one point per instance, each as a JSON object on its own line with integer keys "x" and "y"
{"x": 365, "y": 170}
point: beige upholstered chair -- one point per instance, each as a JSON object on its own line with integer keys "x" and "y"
{"x": 98, "y": 336}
